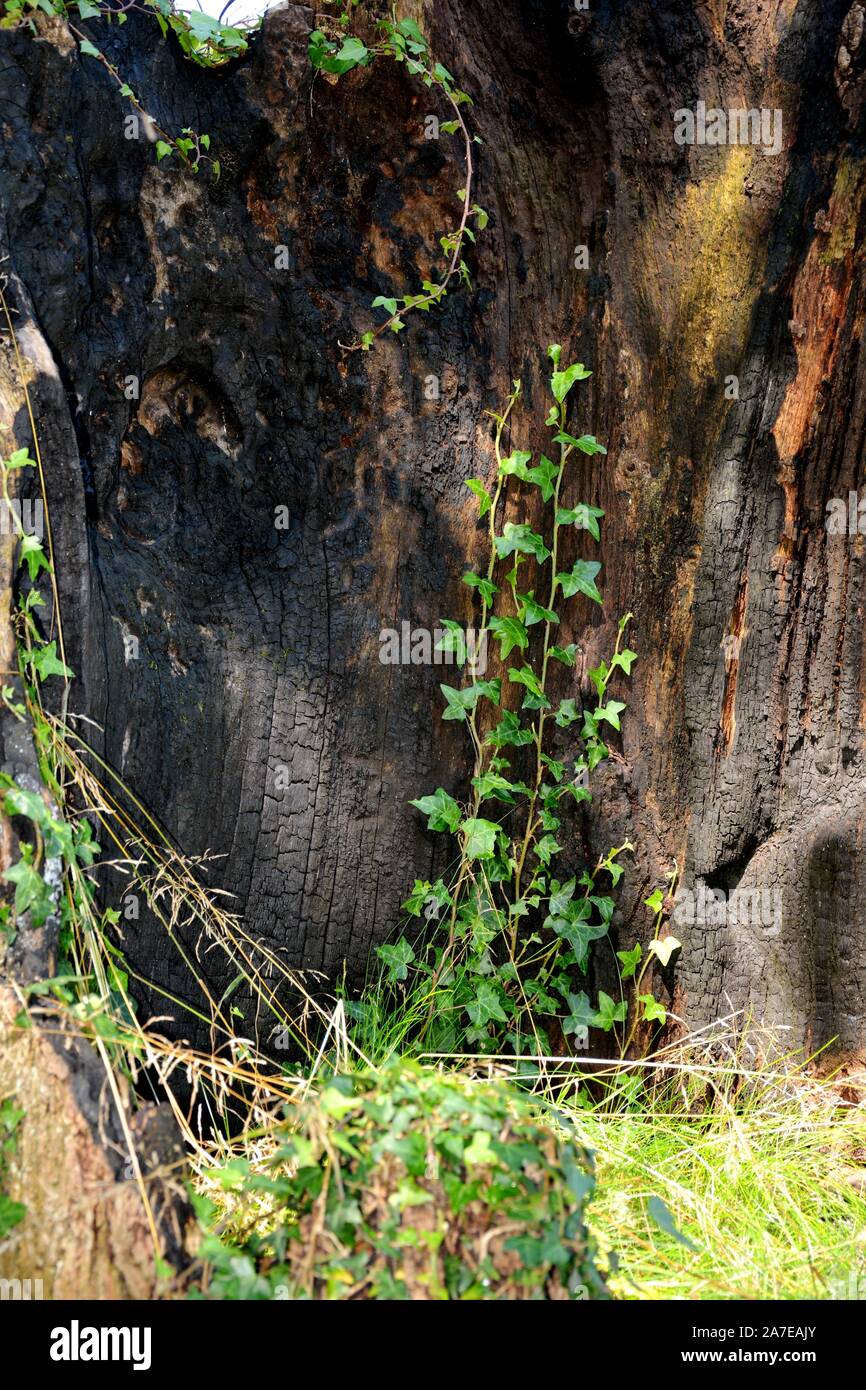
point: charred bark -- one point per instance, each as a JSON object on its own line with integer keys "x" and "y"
{"x": 742, "y": 756}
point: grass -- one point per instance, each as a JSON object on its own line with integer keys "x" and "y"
{"x": 766, "y": 1187}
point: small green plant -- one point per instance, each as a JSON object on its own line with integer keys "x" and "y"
{"x": 203, "y": 39}
{"x": 402, "y": 41}
{"x": 659, "y": 951}
{"x": 408, "y": 1183}
{"x": 517, "y": 929}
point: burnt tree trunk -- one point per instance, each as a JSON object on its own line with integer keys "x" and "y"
{"x": 742, "y": 754}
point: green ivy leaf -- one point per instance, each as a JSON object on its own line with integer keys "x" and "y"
{"x": 508, "y": 732}
{"x": 485, "y": 587}
{"x": 567, "y": 714}
{"x": 493, "y": 784}
{"x": 580, "y": 1013}
{"x": 45, "y": 663}
{"x": 629, "y": 960}
{"x": 460, "y": 702}
{"x": 546, "y": 848}
{"x": 33, "y": 556}
{"x": 32, "y": 893}
{"x": 486, "y": 1006}
{"x": 522, "y": 538}
{"x": 625, "y": 659}
{"x": 510, "y": 633}
{"x": 562, "y": 382}
{"x": 396, "y": 959}
{"x": 480, "y": 838}
{"x": 581, "y": 580}
{"x": 654, "y": 1012}
{"x": 544, "y": 476}
{"x": 535, "y": 697}
{"x": 535, "y": 612}
{"x": 583, "y": 517}
{"x": 475, "y": 485}
{"x": 608, "y": 1012}
{"x": 587, "y": 443}
{"x": 441, "y": 810}
{"x": 610, "y": 712}
{"x": 515, "y": 465}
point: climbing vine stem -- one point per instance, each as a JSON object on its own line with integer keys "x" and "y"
{"x": 402, "y": 41}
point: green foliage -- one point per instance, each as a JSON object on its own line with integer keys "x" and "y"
{"x": 402, "y": 41}
{"x": 508, "y": 957}
{"x": 204, "y": 40}
{"x": 53, "y": 878}
{"x": 407, "y": 1183}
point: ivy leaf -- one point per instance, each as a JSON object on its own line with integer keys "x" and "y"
{"x": 580, "y": 1013}
{"x": 565, "y": 654}
{"x": 326, "y": 56}
{"x": 587, "y": 443}
{"x": 561, "y": 896}
{"x": 522, "y": 538}
{"x": 45, "y": 663}
{"x": 486, "y": 1006}
{"x": 382, "y": 302}
{"x": 510, "y": 633}
{"x": 608, "y": 1012}
{"x": 629, "y": 960}
{"x": 610, "y": 712}
{"x": 485, "y": 587}
{"x": 480, "y": 841}
{"x": 556, "y": 769}
{"x": 653, "y": 1010}
{"x": 453, "y": 639}
{"x": 508, "y": 732}
{"x": 664, "y": 949}
{"x": 562, "y": 382}
{"x": 581, "y": 580}
{"x": 575, "y": 929}
{"x": 535, "y": 697}
{"x": 656, "y": 901}
{"x": 542, "y": 1001}
{"x": 567, "y": 714}
{"x": 396, "y": 959}
{"x": 583, "y": 517}
{"x": 33, "y": 556}
{"x": 32, "y": 893}
{"x": 20, "y": 458}
{"x": 535, "y": 612}
{"x": 426, "y": 895}
{"x": 493, "y": 784}
{"x": 544, "y": 476}
{"x": 515, "y": 465}
{"x": 87, "y": 47}
{"x": 546, "y": 848}
{"x": 460, "y": 702}
{"x": 162, "y": 149}
{"x": 625, "y": 659}
{"x": 442, "y": 810}
{"x": 475, "y": 485}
